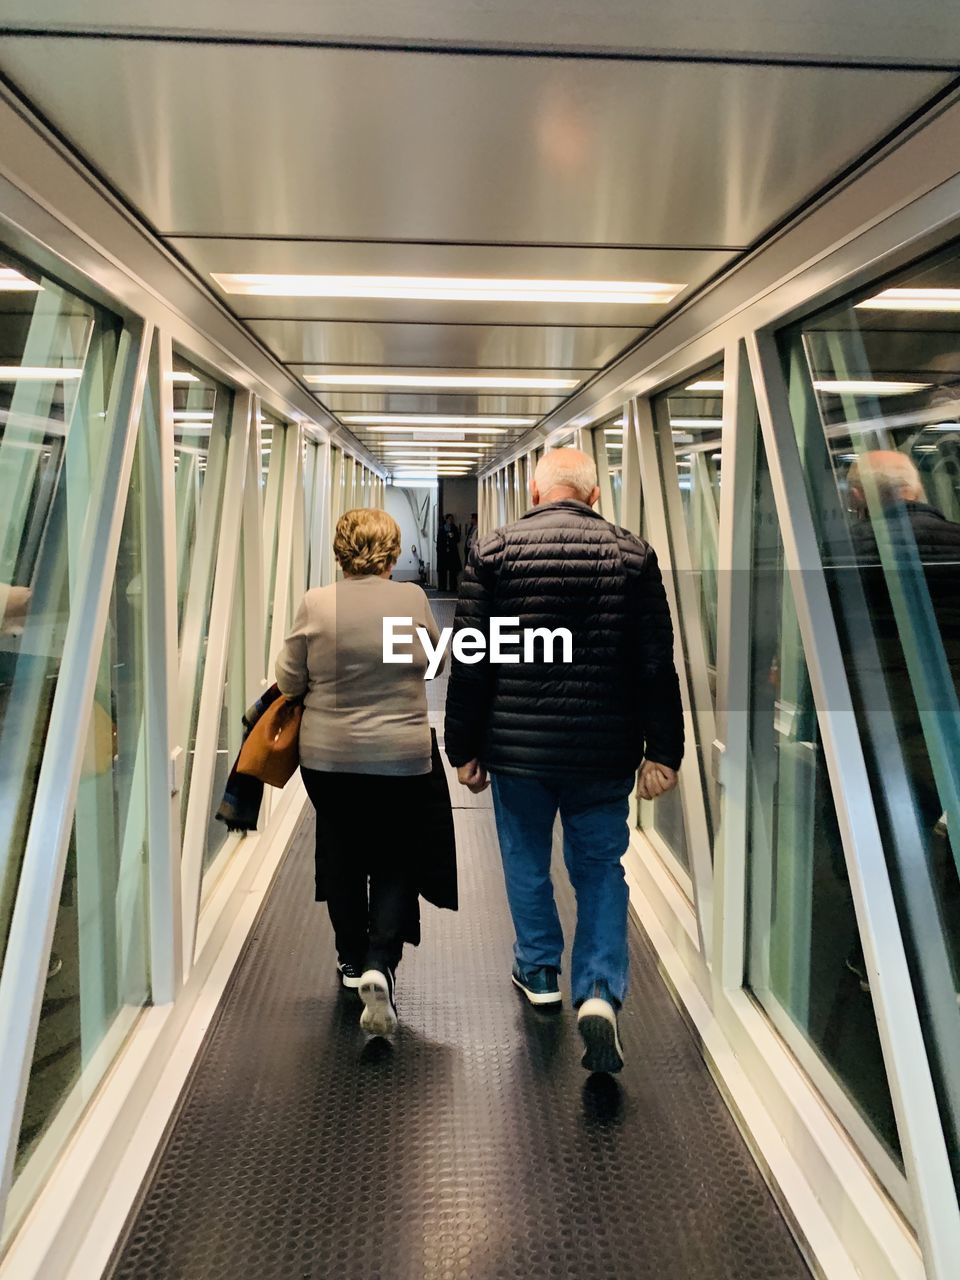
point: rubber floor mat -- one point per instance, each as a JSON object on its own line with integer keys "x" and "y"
{"x": 472, "y": 1148}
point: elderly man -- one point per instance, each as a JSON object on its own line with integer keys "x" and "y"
{"x": 886, "y": 497}
{"x": 568, "y": 737}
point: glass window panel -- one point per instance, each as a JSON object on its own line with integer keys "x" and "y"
{"x": 875, "y": 398}
{"x": 59, "y": 354}
{"x": 664, "y": 816}
{"x": 688, "y": 433}
{"x": 273, "y": 447}
{"x": 612, "y": 433}
{"x": 310, "y": 497}
{"x": 201, "y": 421}
{"x": 99, "y": 968}
{"x": 230, "y": 736}
{"x": 201, "y": 427}
{"x": 689, "y": 422}
{"x": 804, "y": 962}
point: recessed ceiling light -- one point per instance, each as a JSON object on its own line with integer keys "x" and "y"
{"x": 13, "y": 282}
{"x": 447, "y": 288}
{"x": 29, "y": 373}
{"x": 464, "y": 446}
{"x": 499, "y": 382}
{"x": 435, "y": 421}
{"x": 913, "y": 300}
{"x": 398, "y": 435}
{"x": 685, "y": 424}
{"x": 181, "y": 375}
{"x": 706, "y": 384}
{"x": 867, "y": 387}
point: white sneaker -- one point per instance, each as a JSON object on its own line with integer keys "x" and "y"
{"x": 597, "y": 1024}
{"x": 379, "y": 1017}
{"x": 350, "y": 976}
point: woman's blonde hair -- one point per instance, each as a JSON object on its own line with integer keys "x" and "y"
{"x": 367, "y": 541}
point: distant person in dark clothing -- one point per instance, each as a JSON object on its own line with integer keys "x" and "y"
{"x": 567, "y": 734}
{"x": 448, "y": 554}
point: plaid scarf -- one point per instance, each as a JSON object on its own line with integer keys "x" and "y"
{"x": 240, "y": 806}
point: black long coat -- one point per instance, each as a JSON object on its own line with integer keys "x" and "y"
{"x": 422, "y": 835}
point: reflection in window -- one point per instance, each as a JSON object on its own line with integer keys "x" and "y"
{"x": 804, "y": 961}
{"x": 99, "y": 968}
{"x": 876, "y": 405}
{"x": 201, "y": 425}
{"x": 59, "y": 384}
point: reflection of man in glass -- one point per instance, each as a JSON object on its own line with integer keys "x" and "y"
{"x": 885, "y": 486}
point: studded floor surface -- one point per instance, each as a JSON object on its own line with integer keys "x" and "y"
{"x": 474, "y": 1147}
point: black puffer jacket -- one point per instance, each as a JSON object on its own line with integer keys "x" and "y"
{"x": 563, "y": 565}
{"x": 916, "y": 532}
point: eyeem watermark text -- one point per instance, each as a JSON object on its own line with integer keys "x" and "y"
{"x": 507, "y": 642}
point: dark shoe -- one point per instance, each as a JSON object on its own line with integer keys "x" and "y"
{"x": 379, "y": 1016}
{"x": 540, "y": 986}
{"x": 597, "y": 1024}
{"x": 350, "y": 976}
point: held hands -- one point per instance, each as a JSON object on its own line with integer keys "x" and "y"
{"x": 655, "y": 780}
{"x": 474, "y": 776}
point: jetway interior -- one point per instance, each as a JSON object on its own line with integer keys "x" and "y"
{"x": 260, "y": 267}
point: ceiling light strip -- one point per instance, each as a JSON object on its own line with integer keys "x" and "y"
{"x": 906, "y": 299}
{"x": 30, "y": 373}
{"x": 867, "y": 387}
{"x": 436, "y": 421}
{"x": 500, "y": 382}
{"x": 448, "y": 288}
{"x": 12, "y": 281}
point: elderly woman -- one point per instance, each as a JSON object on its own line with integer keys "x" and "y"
{"x": 369, "y": 762}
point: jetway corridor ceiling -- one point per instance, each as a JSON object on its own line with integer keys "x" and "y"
{"x": 447, "y": 242}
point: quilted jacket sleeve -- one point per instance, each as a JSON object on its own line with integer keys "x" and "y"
{"x": 659, "y": 710}
{"x": 471, "y": 685}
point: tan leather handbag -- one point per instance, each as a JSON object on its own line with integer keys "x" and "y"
{"x": 271, "y": 750}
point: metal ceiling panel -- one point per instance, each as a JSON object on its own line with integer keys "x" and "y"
{"x": 687, "y": 267}
{"x": 924, "y": 30}
{"x": 404, "y": 258}
{"x": 402, "y": 145}
{"x": 498, "y": 347}
{"x": 394, "y": 402}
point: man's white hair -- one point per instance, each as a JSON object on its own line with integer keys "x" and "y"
{"x": 894, "y": 474}
{"x": 568, "y": 469}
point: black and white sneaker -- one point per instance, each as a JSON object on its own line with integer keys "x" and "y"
{"x": 379, "y": 1017}
{"x": 597, "y": 1024}
{"x": 350, "y": 976}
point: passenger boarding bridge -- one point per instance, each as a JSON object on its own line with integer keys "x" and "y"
{"x": 260, "y": 264}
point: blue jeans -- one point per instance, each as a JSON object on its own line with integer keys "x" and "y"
{"x": 593, "y": 812}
